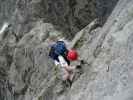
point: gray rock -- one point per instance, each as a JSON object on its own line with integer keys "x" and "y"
{"x": 27, "y": 73}
{"x": 68, "y": 16}
{"x": 110, "y": 74}
{"x": 31, "y": 69}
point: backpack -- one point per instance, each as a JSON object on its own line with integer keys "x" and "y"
{"x": 52, "y": 54}
{"x": 59, "y": 48}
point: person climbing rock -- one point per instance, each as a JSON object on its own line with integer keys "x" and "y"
{"x": 62, "y": 57}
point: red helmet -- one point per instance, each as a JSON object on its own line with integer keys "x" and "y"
{"x": 72, "y": 55}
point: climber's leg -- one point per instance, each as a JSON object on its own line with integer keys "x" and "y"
{"x": 71, "y": 76}
{"x": 70, "y": 68}
{"x": 65, "y": 74}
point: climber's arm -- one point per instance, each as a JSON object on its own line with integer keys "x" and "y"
{"x": 64, "y": 64}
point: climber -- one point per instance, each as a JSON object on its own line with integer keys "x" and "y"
{"x": 62, "y": 56}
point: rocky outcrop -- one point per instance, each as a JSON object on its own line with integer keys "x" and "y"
{"x": 109, "y": 54}
{"x": 31, "y": 69}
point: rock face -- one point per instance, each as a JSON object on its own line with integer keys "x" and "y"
{"x": 7, "y": 8}
{"x": 109, "y": 56}
{"x": 69, "y": 16}
{"x": 27, "y": 73}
